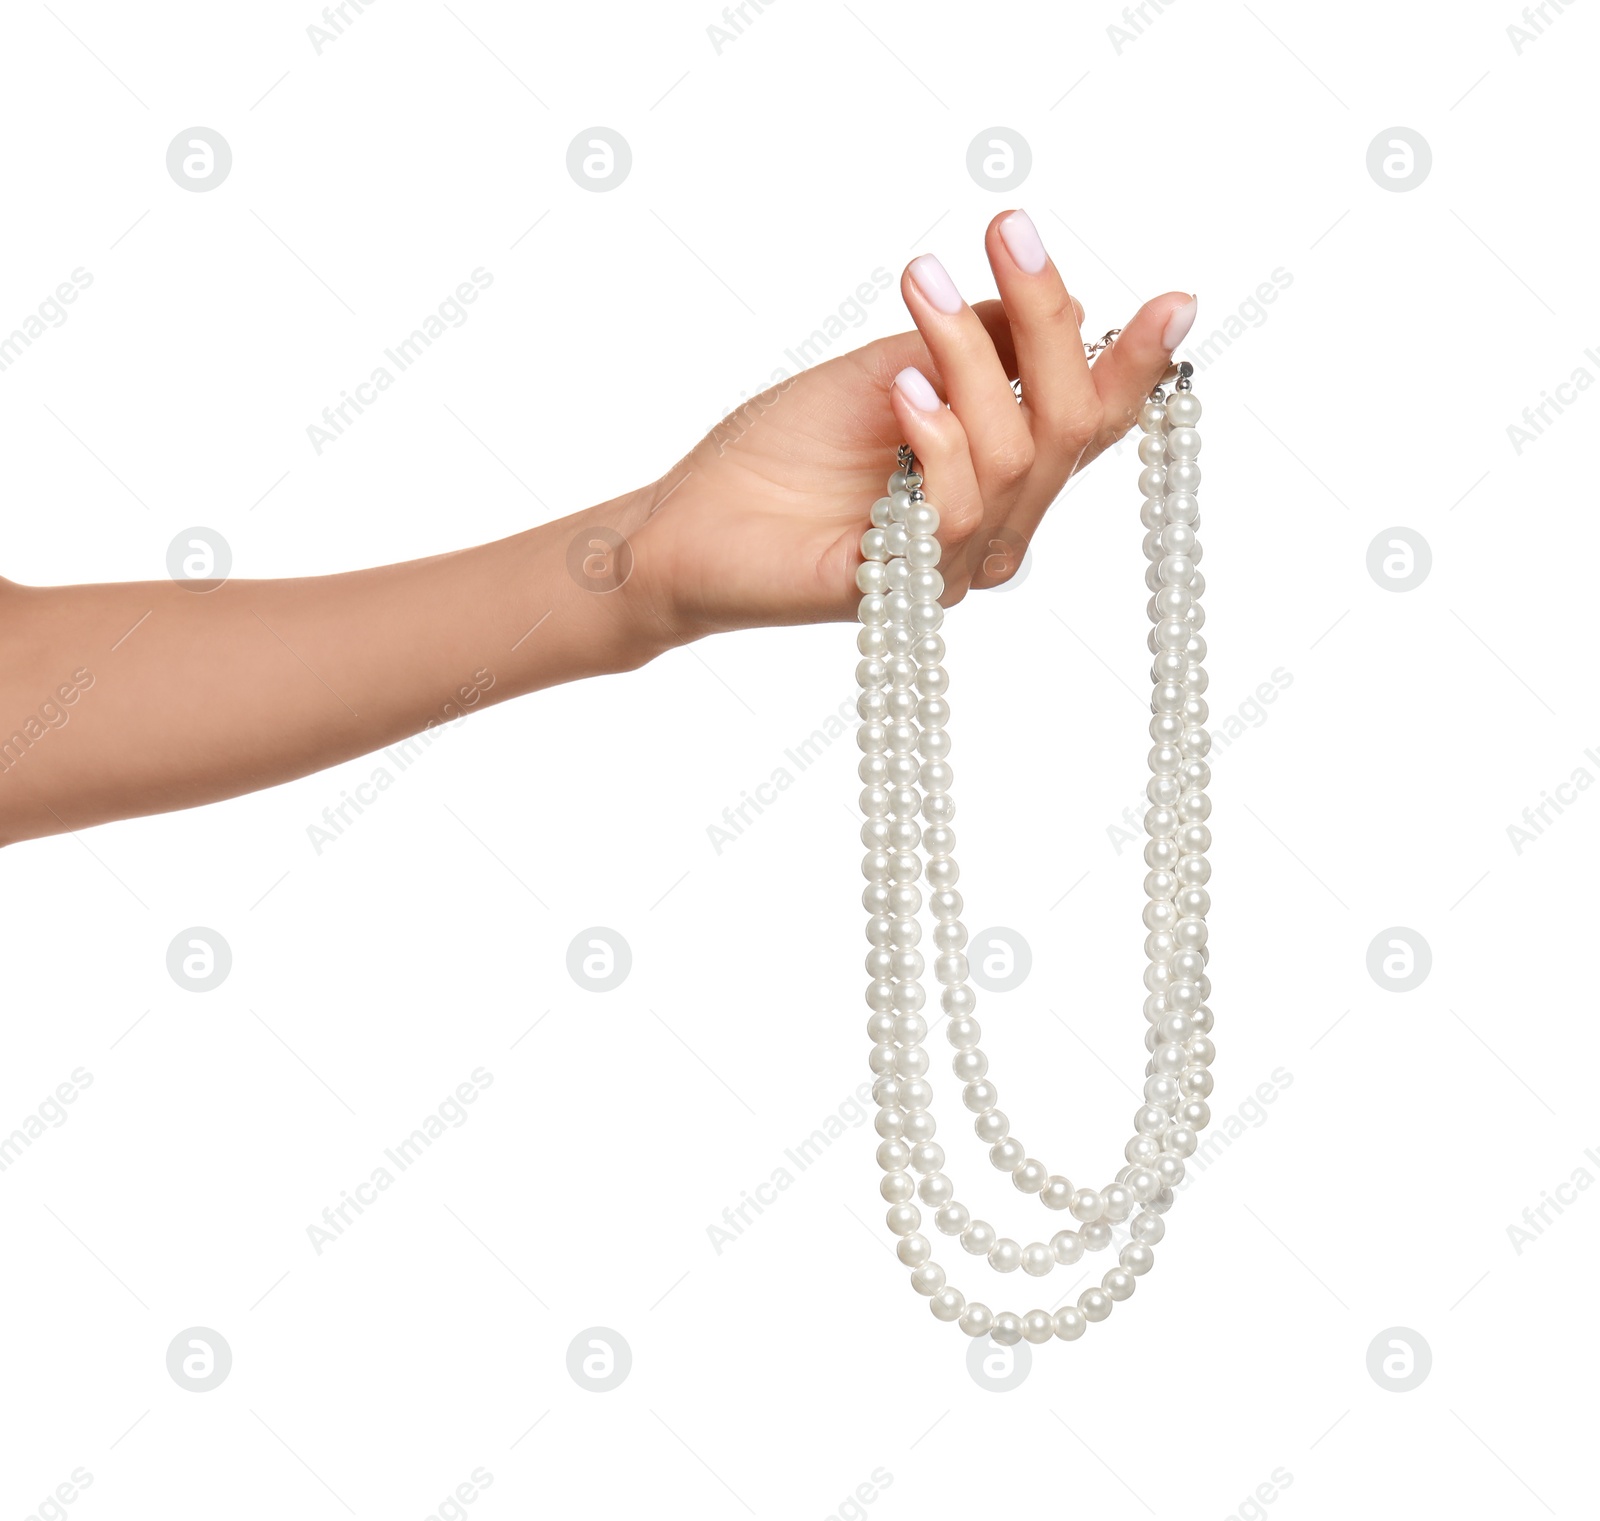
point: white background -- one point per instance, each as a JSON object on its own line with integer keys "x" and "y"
{"x": 769, "y": 179}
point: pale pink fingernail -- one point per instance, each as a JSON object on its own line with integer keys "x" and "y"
{"x": 1023, "y": 242}
{"x": 931, "y": 279}
{"x": 1179, "y": 323}
{"x": 914, "y": 387}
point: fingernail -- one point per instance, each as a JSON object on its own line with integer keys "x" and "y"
{"x": 914, "y": 387}
{"x": 1023, "y": 243}
{"x": 931, "y": 279}
{"x": 1179, "y": 323}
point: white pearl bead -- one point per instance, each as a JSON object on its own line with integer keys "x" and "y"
{"x": 908, "y": 1027}
{"x": 1069, "y": 1323}
{"x": 1007, "y": 1329}
{"x": 1067, "y": 1246}
{"x": 893, "y": 1155}
{"x": 977, "y": 1319}
{"x": 902, "y": 1219}
{"x": 1147, "y": 1228}
{"x": 1038, "y": 1326}
{"x": 913, "y": 1250}
{"x": 963, "y": 1031}
{"x": 979, "y": 1096}
{"x": 1137, "y": 1258}
{"x": 1183, "y": 409}
{"x": 1037, "y": 1259}
{"x": 1119, "y": 1201}
{"x": 915, "y": 1094}
{"x": 948, "y": 1303}
{"x": 896, "y": 1187}
{"x": 1119, "y": 1283}
{"x": 1006, "y": 1155}
{"x": 956, "y": 1000}
{"x": 969, "y": 1066}
{"x": 1182, "y": 475}
{"x": 978, "y": 1237}
{"x": 1005, "y": 1256}
{"x": 1094, "y": 1304}
{"x": 1057, "y": 1192}
{"x": 1029, "y": 1176}
{"x": 1086, "y": 1205}
{"x": 927, "y": 1279}
{"x": 872, "y": 576}
{"x": 927, "y": 1157}
{"x": 991, "y": 1126}
{"x": 935, "y": 1189}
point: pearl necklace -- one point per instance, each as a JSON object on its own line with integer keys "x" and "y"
{"x": 905, "y": 768}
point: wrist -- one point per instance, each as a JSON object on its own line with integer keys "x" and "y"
{"x": 610, "y": 554}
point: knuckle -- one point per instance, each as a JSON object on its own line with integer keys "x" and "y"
{"x": 1081, "y": 424}
{"x": 1061, "y": 308}
{"x": 1011, "y": 462}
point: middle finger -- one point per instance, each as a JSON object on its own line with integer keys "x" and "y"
{"x": 974, "y": 380}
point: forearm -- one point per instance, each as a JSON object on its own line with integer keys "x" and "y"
{"x": 140, "y": 697}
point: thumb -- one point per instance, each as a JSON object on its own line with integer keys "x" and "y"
{"x": 1138, "y": 361}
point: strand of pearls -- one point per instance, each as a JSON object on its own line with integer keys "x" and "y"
{"x": 907, "y": 777}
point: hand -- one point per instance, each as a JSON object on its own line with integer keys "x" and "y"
{"x": 762, "y": 522}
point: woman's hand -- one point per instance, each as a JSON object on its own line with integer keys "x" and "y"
{"x": 761, "y": 523}
{"x": 203, "y": 691}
